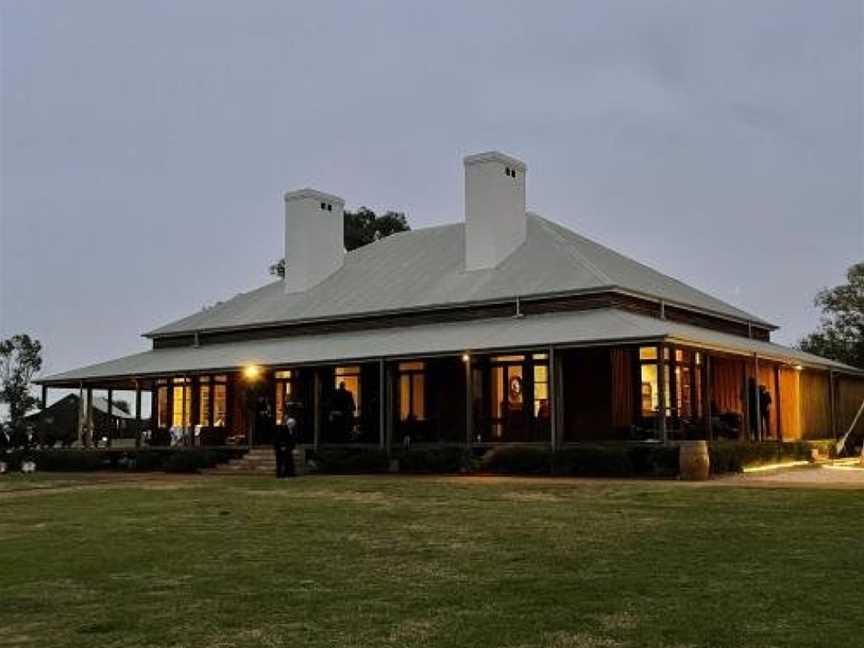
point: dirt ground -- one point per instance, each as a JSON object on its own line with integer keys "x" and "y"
{"x": 841, "y": 475}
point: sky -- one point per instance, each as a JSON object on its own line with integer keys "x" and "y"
{"x": 145, "y": 146}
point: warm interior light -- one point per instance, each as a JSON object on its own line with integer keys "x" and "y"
{"x": 465, "y": 357}
{"x": 251, "y": 372}
{"x": 799, "y": 367}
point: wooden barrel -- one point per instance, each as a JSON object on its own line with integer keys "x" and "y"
{"x": 693, "y": 461}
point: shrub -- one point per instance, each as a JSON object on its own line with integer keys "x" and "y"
{"x": 517, "y": 460}
{"x": 60, "y": 460}
{"x": 654, "y": 460}
{"x": 594, "y": 461}
{"x": 186, "y": 461}
{"x": 432, "y": 460}
{"x": 732, "y": 456}
{"x": 352, "y": 461}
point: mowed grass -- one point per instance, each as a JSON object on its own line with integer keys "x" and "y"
{"x": 397, "y": 561}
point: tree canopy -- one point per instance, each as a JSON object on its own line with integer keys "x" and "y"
{"x": 840, "y": 335}
{"x": 20, "y": 359}
{"x": 361, "y": 228}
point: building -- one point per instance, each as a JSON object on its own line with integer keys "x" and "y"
{"x": 62, "y": 421}
{"x": 507, "y": 328}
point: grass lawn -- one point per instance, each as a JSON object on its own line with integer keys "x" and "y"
{"x": 396, "y": 561}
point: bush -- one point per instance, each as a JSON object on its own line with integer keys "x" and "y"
{"x": 186, "y": 461}
{"x": 654, "y": 460}
{"x": 60, "y": 460}
{"x": 733, "y": 457}
{"x": 517, "y": 460}
{"x": 433, "y": 460}
{"x": 594, "y": 461}
{"x": 352, "y": 461}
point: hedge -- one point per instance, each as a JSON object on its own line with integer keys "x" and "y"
{"x": 137, "y": 460}
{"x": 433, "y": 460}
{"x": 733, "y": 457}
{"x": 348, "y": 461}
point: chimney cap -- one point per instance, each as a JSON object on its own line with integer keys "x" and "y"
{"x": 314, "y": 194}
{"x": 495, "y": 156}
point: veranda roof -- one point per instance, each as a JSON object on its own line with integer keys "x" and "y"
{"x": 575, "y": 328}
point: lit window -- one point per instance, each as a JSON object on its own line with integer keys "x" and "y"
{"x": 649, "y": 393}
{"x": 412, "y": 391}
{"x": 220, "y": 401}
{"x": 648, "y": 353}
{"x": 182, "y": 405}
{"x": 508, "y": 358}
{"x": 285, "y": 392}
{"x": 351, "y": 377}
{"x": 204, "y": 402}
{"x": 541, "y": 390}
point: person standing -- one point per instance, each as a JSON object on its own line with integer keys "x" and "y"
{"x": 764, "y": 408}
{"x": 345, "y": 408}
{"x": 284, "y": 441}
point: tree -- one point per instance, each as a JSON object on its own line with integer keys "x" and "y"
{"x": 122, "y": 405}
{"x": 20, "y": 359}
{"x": 361, "y": 228}
{"x": 841, "y": 332}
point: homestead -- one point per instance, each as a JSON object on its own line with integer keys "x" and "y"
{"x": 506, "y": 328}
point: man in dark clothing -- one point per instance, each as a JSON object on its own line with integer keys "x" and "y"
{"x": 283, "y": 447}
{"x": 263, "y": 421}
{"x": 764, "y": 407}
{"x": 343, "y": 406}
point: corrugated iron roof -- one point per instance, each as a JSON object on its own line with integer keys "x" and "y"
{"x": 537, "y": 331}
{"x": 425, "y": 268}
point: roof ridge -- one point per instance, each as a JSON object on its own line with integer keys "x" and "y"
{"x": 597, "y": 272}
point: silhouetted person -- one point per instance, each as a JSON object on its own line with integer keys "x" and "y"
{"x": 764, "y": 407}
{"x": 343, "y": 408}
{"x": 263, "y": 421}
{"x": 284, "y": 440}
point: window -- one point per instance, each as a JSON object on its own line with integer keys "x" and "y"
{"x": 648, "y": 353}
{"x": 220, "y": 401}
{"x": 648, "y": 389}
{"x": 204, "y": 403}
{"x": 508, "y": 358}
{"x": 212, "y": 397}
{"x": 162, "y": 406}
{"x": 285, "y": 393}
{"x": 181, "y": 394}
{"x": 412, "y": 391}
{"x": 541, "y": 390}
{"x": 351, "y": 377}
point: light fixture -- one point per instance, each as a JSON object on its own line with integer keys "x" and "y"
{"x": 466, "y": 357}
{"x": 251, "y": 372}
{"x": 799, "y": 367}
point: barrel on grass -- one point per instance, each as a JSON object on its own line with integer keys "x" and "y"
{"x": 693, "y": 461}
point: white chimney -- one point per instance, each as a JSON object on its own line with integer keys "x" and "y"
{"x": 495, "y": 218}
{"x": 314, "y": 238}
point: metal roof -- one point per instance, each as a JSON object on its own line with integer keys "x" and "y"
{"x": 425, "y": 268}
{"x": 601, "y": 326}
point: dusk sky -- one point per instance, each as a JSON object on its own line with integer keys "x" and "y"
{"x": 146, "y": 145}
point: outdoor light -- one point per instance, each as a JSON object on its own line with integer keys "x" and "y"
{"x": 251, "y": 373}
{"x": 799, "y": 367}
{"x": 466, "y": 357}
